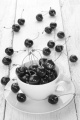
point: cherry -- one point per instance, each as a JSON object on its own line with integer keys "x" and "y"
{"x": 15, "y": 87}
{"x": 48, "y": 30}
{"x": 32, "y": 72}
{"x": 73, "y": 58}
{"x": 52, "y": 12}
{"x": 21, "y": 97}
{"x": 28, "y": 43}
{"x": 9, "y": 51}
{"x": 33, "y": 67}
{"x": 41, "y": 71}
{"x": 34, "y": 80}
{"x": 6, "y": 61}
{"x": 49, "y": 64}
{"x": 5, "y": 80}
{"x": 42, "y": 61}
{"x": 52, "y": 76}
{"x": 53, "y": 99}
{"x": 20, "y": 71}
{"x": 39, "y": 17}
{"x": 58, "y": 48}
{"x": 15, "y": 28}
{"x": 61, "y": 35}
{"x": 25, "y": 78}
{"x": 46, "y": 51}
{"x": 53, "y": 25}
{"x": 51, "y": 44}
{"x": 44, "y": 80}
{"x": 21, "y": 21}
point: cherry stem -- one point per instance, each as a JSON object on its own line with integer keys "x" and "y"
{"x": 34, "y": 56}
{"x": 22, "y": 13}
{"x": 39, "y": 53}
{"x": 7, "y": 28}
{"x": 58, "y": 57}
{"x": 20, "y": 51}
{"x": 14, "y": 65}
{"x": 37, "y": 36}
{"x": 25, "y": 57}
{"x": 67, "y": 40}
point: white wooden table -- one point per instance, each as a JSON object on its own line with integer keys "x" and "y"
{"x": 68, "y": 19}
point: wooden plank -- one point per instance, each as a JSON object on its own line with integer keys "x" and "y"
{"x": 6, "y": 19}
{"x": 71, "y": 17}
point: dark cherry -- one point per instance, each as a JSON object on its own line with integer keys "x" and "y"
{"x": 48, "y": 30}
{"x": 9, "y": 51}
{"x": 51, "y": 44}
{"x": 33, "y": 67}
{"x": 15, "y": 28}
{"x": 25, "y": 78}
{"x": 28, "y": 43}
{"x": 53, "y": 25}
{"x": 61, "y": 35}
{"x": 73, "y": 58}
{"x": 20, "y": 71}
{"x": 52, "y": 76}
{"x": 41, "y": 71}
{"x": 58, "y": 48}
{"x": 52, "y": 12}
{"x": 6, "y": 61}
{"x": 32, "y": 72}
{"x": 53, "y": 99}
{"x": 49, "y": 64}
{"x": 5, "y": 80}
{"x": 21, "y": 21}
{"x": 34, "y": 80}
{"x": 46, "y": 51}
{"x": 42, "y": 61}
{"x": 39, "y": 17}
{"x": 44, "y": 79}
{"x": 15, "y": 87}
{"x": 21, "y": 97}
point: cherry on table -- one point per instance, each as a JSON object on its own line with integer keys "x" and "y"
{"x": 58, "y": 48}
{"x": 15, "y": 28}
{"x": 73, "y": 58}
{"x": 39, "y": 17}
{"x": 52, "y": 12}
{"x": 61, "y": 34}
{"x": 6, "y": 61}
{"x": 34, "y": 80}
{"x": 51, "y": 44}
{"x": 21, "y": 21}
{"x": 28, "y": 43}
{"x": 5, "y": 80}
{"x": 46, "y": 51}
{"x": 9, "y": 51}
{"x": 15, "y": 87}
{"x": 48, "y": 30}
{"x": 53, "y": 99}
{"x": 53, "y": 25}
{"x": 21, "y": 97}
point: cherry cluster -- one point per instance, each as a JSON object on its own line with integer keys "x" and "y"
{"x": 36, "y": 74}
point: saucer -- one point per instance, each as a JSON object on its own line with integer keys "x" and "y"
{"x": 65, "y": 91}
